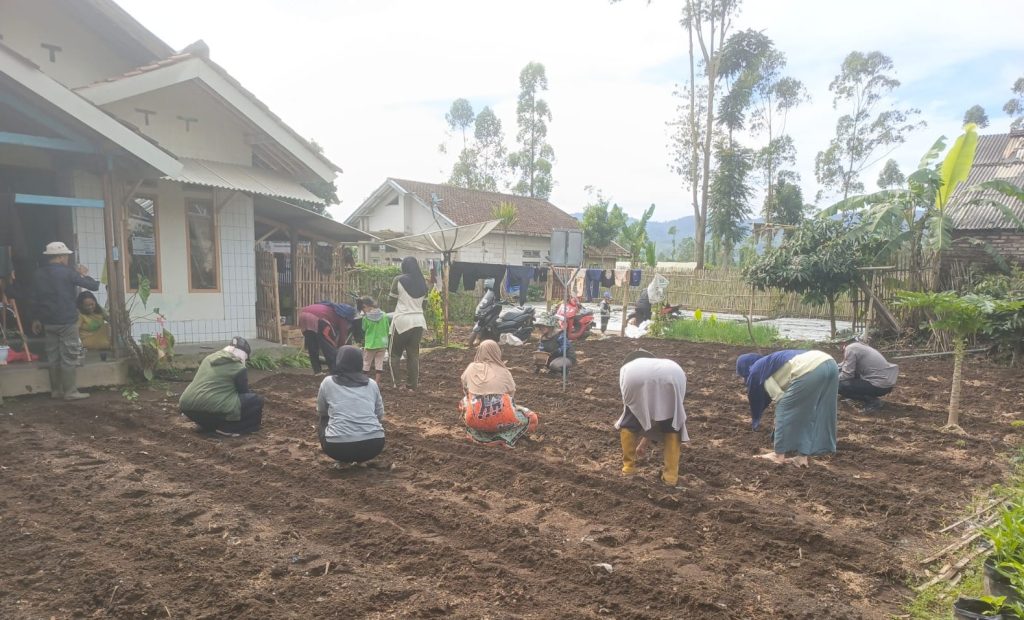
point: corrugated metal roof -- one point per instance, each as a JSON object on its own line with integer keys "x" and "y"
{"x": 998, "y": 156}
{"x": 244, "y": 179}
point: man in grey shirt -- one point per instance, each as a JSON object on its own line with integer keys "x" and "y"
{"x": 865, "y": 374}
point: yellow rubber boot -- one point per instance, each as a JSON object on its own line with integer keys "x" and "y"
{"x": 672, "y": 449}
{"x": 629, "y": 441}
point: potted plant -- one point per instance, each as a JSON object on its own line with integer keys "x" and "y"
{"x": 986, "y": 608}
{"x": 1004, "y": 568}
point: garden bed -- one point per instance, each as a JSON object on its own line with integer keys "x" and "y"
{"x": 112, "y": 508}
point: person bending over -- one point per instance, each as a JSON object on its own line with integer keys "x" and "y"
{"x": 350, "y": 410}
{"x": 865, "y": 375}
{"x": 805, "y": 384}
{"x": 652, "y": 408}
{"x": 218, "y": 398}
{"x": 491, "y": 415}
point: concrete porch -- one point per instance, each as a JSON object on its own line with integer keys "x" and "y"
{"x": 26, "y": 378}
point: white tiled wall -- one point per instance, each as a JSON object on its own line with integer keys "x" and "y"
{"x": 91, "y": 250}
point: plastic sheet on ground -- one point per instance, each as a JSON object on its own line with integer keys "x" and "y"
{"x": 510, "y": 339}
{"x": 636, "y": 331}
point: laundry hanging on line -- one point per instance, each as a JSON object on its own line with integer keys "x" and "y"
{"x": 469, "y": 273}
{"x": 592, "y": 283}
{"x": 517, "y": 281}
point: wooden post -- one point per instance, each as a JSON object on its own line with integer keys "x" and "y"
{"x": 119, "y": 319}
{"x": 277, "y": 300}
{"x": 294, "y": 237}
{"x": 625, "y": 303}
{"x": 549, "y": 288}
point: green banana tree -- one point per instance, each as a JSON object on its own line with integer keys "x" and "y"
{"x": 634, "y": 238}
{"x": 915, "y": 218}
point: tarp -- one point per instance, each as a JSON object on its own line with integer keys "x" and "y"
{"x": 445, "y": 239}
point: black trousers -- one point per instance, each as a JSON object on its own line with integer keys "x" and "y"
{"x": 409, "y": 342}
{"x": 252, "y": 417}
{"x": 353, "y": 451}
{"x": 317, "y": 344}
{"x": 859, "y": 389}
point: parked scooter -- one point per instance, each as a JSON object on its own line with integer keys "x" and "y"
{"x": 491, "y": 323}
{"x": 576, "y": 320}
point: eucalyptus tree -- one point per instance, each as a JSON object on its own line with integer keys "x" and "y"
{"x": 891, "y": 176}
{"x": 976, "y": 114}
{"x": 483, "y": 163}
{"x": 460, "y": 117}
{"x": 532, "y": 163}
{"x": 1015, "y": 106}
{"x": 861, "y": 86}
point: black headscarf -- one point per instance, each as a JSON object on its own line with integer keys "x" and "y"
{"x": 412, "y": 278}
{"x": 348, "y": 367}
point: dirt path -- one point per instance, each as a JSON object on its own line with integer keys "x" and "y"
{"x": 118, "y": 509}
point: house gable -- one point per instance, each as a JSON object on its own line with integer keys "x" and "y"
{"x": 77, "y": 41}
{"x": 272, "y": 140}
{"x": 393, "y": 208}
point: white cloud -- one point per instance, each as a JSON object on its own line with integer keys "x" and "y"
{"x": 371, "y": 81}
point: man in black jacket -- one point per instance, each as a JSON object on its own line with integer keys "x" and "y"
{"x": 53, "y": 296}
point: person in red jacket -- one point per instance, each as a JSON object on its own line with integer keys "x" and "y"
{"x": 325, "y": 331}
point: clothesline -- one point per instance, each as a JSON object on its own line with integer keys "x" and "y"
{"x": 587, "y": 283}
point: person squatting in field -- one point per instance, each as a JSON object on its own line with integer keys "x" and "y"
{"x": 218, "y": 398}
{"x": 806, "y": 386}
{"x": 554, "y": 351}
{"x": 491, "y": 415}
{"x": 350, "y": 410}
{"x": 653, "y": 391}
{"x": 865, "y": 374}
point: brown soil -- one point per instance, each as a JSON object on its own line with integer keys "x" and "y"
{"x": 113, "y": 508}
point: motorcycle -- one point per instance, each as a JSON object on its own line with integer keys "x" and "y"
{"x": 491, "y": 323}
{"x": 576, "y": 320}
{"x": 667, "y": 313}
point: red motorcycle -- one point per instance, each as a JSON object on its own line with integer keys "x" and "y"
{"x": 576, "y": 320}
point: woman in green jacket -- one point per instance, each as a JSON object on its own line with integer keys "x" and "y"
{"x": 218, "y": 399}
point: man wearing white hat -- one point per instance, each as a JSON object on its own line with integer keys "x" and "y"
{"x": 53, "y": 296}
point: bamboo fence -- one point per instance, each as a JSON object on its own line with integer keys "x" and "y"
{"x": 268, "y": 299}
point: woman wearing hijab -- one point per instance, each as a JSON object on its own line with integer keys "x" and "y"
{"x": 806, "y": 386}
{"x": 652, "y": 408}
{"x": 492, "y": 417}
{"x": 350, "y": 411}
{"x": 218, "y": 398}
{"x": 408, "y": 321}
{"x": 92, "y": 323}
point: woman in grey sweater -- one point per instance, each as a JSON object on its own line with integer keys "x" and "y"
{"x": 350, "y": 411}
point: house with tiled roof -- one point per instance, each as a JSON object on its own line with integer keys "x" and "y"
{"x": 151, "y": 164}
{"x": 402, "y": 207}
{"x": 979, "y": 226}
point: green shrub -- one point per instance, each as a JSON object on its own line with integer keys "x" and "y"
{"x": 294, "y": 359}
{"x": 261, "y": 360}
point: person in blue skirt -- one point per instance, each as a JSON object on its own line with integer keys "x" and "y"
{"x": 805, "y": 386}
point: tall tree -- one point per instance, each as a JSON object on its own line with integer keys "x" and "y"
{"x": 492, "y": 157}
{"x": 507, "y": 215}
{"x": 709, "y": 22}
{"x": 890, "y": 177}
{"x": 729, "y": 208}
{"x": 787, "y": 206}
{"x": 672, "y": 233}
{"x": 976, "y": 114}
{"x": 753, "y": 65}
{"x": 1015, "y": 106}
{"x": 460, "y": 117}
{"x": 601, "y": 221}
{"x": 482, "y": 164}
{"x": 532, "y": 163}
{"x": 862, "y": 82}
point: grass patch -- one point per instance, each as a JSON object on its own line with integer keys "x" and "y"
{"x": 936, "y": 602}
{"x": 725, "y": 332}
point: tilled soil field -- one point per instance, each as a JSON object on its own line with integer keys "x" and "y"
{"x": 113, "y": 508}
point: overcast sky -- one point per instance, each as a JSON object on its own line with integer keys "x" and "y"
{"x": 371, "y": 80}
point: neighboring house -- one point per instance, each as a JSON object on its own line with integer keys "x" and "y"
{"x": 149, "y": 163}
{"x": 401, "y": 207}
{"x": 980, "y": 228}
